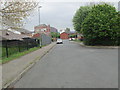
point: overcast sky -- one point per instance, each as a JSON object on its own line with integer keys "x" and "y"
{"x": 57, "y": 13}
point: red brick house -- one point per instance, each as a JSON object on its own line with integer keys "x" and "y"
{"x": 42, "y": 29}
{"x": 64, "y": 35}
{"x": 46, "y": 29}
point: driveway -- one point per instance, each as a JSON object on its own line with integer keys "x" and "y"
{"x": 69, "y": 65}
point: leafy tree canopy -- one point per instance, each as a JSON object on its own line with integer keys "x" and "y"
{"x": 101, "y": 25}
{"x": 67, "y": 30}
{"x": 14, "y": 12}
{"x": 55, "y": 35}
{"x": 79, "y": 17}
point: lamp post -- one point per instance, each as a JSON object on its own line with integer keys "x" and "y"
{"x": 39, "y": 24}
{"x": 39, "y": 13}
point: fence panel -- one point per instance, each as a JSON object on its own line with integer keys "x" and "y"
{"x": 10, "y": 47}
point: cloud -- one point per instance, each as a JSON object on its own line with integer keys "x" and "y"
{"x": 80, "y": 0}
{"x": 57, "y": 14}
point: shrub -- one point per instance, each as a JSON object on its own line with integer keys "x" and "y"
{"x": 101, "y": 26}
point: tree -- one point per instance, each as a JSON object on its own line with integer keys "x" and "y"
{"x": 72, "y": 36}
{"x": 14, "y": 12}
{"x": 55, "y": 35}
{"x": 67, "y": 30}
{"x": 101, "y": 26}
{"x": 79, "y": 17}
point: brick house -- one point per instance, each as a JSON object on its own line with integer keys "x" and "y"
{"x": 43, "y": 28}
{"x": 64, "y": 35}
{"x": 46, "y": 29}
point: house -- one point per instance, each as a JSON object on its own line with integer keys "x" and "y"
{"x": 53, "y": 29}
{"x": 43, "y": 28}
{"x": 64, "y": 35}
{"x": 22, "y": 31}
{"x": 46, "y": 29}
{"x": 36, "y": 35}
{"x": 9, "y": 35}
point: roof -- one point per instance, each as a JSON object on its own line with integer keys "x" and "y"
{"x": 22, "y": 30}
{"x": 8, "y": 35}
{"x": 64, "y": 32}
{"x": 53, "y": 29}
{"x": 42, "y": 25}
{"x": 2, "y": 38}
{"x": 37, "y": 35}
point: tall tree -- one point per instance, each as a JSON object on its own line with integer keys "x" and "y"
{"x": 79, "y": 17}
{"x": 67, "y": 30}
{"x": 14, "y": 12}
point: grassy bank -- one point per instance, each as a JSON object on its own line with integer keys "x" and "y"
{"x": 17, "y": 55}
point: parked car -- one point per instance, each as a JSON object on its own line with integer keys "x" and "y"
{"x": 70, "y": 39}
{"x": 73, "y": 38}
{"x": 59, "y": 41}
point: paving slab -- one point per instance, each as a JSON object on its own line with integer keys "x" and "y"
{"x": 13, "y": 70}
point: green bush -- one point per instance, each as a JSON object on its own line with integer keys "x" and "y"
{"x": 101, "y": 26}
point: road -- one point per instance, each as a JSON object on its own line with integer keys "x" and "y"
{"x": 69, "y": 65}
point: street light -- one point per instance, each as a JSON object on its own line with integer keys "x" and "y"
{"x": 39, "y": 24}
{"x": 39, "y": 13}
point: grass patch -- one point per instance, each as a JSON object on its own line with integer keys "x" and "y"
{"x": 17, "y": 55}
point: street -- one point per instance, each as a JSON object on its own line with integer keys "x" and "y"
{"x": 70, "y": 65}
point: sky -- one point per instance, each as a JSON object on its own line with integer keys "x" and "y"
{"x": 57, "y": 13}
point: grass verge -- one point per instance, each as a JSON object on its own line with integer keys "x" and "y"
{"x": 17, "y": 55}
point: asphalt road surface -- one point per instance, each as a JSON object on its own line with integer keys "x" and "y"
{"x": 69, "y": 65}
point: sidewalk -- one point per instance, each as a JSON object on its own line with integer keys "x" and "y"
{"x": 98, "y": 47}
{"x": 14, "y": 70}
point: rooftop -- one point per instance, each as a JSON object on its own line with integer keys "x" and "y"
{"x": 8, "y": 35}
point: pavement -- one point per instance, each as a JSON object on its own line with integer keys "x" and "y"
{"x": 98, "y": 47}
{"x": 15, "y": 69}
{"x": 69, "y": 65}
